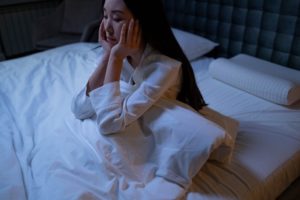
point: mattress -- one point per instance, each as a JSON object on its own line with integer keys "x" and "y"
{"x": 266, "y": 158}
{"x": 36, "y": 93}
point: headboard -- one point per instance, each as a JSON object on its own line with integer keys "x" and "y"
{"x": 268, "y": 29}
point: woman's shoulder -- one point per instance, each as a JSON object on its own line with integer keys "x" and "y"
{"x": 154, "y": 60}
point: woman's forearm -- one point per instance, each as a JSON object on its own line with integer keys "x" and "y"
{"x": 97, "y": 78}
{"x": 113, "y": 70}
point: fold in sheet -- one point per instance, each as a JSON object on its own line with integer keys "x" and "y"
{"x": 125, "y": 165}
{"x": 60, "y": 157}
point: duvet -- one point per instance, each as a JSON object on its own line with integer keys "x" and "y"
{"x": 48, "y": 154}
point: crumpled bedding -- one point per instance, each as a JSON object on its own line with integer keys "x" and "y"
{"x": 48, "y": 154}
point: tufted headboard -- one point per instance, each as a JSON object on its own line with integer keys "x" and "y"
{"x": 268, "y": 29}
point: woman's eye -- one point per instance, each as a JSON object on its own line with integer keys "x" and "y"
{"x": 117, "y": 19}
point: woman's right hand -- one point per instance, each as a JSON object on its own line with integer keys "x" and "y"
{"x": 102, "y": 38}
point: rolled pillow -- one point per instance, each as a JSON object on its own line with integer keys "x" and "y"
{"x": 257, "y": 77}
{"x": 194, "y": 46}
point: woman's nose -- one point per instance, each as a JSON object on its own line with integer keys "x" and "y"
{"x": 108, "y": 28}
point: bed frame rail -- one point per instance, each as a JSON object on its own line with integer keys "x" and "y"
{"x": 268, "y": 29}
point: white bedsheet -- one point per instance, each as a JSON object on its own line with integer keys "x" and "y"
{"x": 267, "y": 154}
{"x": 39, "y": 163}
{"x": 25, "y": 108}
{"x": 48, "y": 154}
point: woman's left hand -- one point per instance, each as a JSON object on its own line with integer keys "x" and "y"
{"x": 130, "y": 40}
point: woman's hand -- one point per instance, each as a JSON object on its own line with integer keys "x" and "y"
{"x": 102, "y": 39}
{"x": 129, "y": 42}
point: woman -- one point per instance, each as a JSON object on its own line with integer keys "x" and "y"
{"x": 136, "y": 32}
{"x": 133, "y": 96}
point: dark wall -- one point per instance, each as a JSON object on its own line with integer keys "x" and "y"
{"x": 15, "y": 2}
{"x": 268, "y": 29}
{"x": 16, "y": 21}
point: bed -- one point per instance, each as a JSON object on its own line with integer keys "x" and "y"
{"x": 37, "y": 161}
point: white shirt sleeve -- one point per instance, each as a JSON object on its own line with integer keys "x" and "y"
{"x": 115, "y": 112}
{"x": 81, "y": 105}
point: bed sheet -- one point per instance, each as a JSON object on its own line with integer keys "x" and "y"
{"x": 266, "y": 158}
{"x": 28, "y": 142}
{"x": 45, "y": 154}
{"x": 53, "y": 153}
{"x": 23, "y": 122}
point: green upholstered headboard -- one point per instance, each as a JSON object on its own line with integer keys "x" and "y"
{"x": 267, "y": 29}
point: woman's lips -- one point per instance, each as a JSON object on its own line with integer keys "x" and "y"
{"x": 111, "y": 40}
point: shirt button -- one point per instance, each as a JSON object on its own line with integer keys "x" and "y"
{"x": 107, "y": 148}
{"x": 107, "y": 155}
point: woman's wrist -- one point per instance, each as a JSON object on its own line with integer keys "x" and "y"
{"x": 114, "y": 68}
{"x": 116, "y": 58}
{"x": 105, "y": 56}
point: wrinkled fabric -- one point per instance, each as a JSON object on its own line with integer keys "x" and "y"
{"x": 117, "y": 106}
{"x": 46, "y": 153}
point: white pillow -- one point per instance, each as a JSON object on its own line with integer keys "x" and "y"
{"x": 261, "y": 78}
{"x": 183, "y": 138}
{"x": 222, "y": 153}
{"x": 194, "y": 46}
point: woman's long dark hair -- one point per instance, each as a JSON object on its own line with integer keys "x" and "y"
{"x": 157, "y": 33}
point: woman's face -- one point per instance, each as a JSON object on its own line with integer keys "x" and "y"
{"x": 115, "y": 14}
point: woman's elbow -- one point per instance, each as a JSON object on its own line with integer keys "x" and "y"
{"x": 110, "y": 126}
{"x": 81, "y": 114}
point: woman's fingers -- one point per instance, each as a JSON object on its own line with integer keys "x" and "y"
{"x": 138, "y": 33}
{"x": 124, "y": 34}
{"x": 133, "y": 34}
{"x": 102, "y": 35}
{"x": 130, "y": 39}
{"x": 130, "y": 33}
{"x": 100, "y": 30}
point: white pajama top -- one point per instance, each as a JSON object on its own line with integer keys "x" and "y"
{"x": 158, "y": 76}
{"x": 156, "y": 135}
